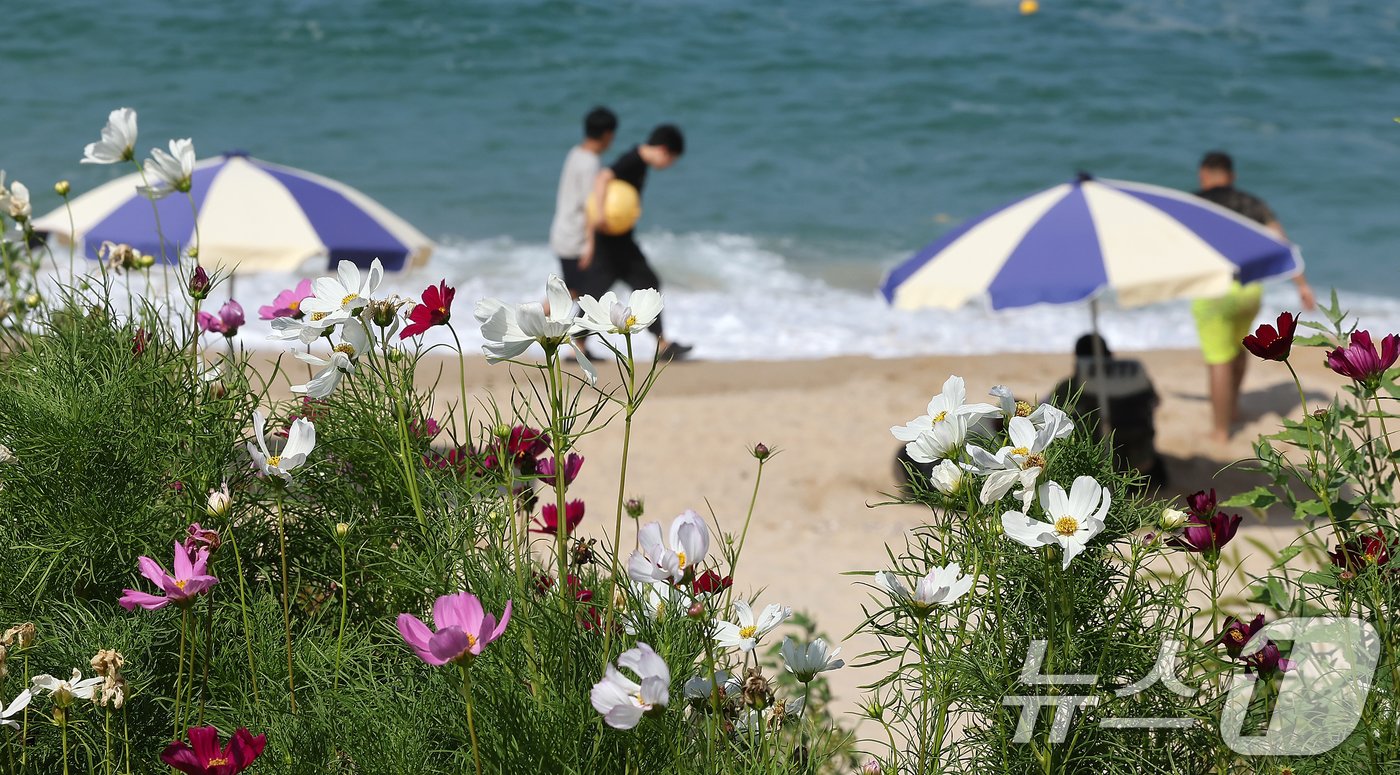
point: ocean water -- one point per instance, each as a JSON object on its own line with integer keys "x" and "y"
{"x": 826, "y": 140}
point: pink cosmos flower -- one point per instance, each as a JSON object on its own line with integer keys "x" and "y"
{"x": 204, "y": 755}
{"x": 464, "y": 629}
{"x": 287, "y": 304}
{"x": 1361, "y": 361}
{"x": 545, "y": 468}
{"x": 188, "y": 581}
{"x": 228, "y": 321}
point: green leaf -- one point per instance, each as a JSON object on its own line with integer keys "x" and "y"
{"x": 1271, "y": 592}
{"x": 1288, "y": 553}
{"x": 1324, "y": 578}
{"x": 1258, "y": 498}
{"x": 1309, "y": 508}
{"x": 1314, "y": 340}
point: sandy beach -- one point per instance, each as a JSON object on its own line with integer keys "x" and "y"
{"x": 815, "y": 515}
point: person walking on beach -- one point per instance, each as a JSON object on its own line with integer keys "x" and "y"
{"x": 608, "y": 258}
{"x": 1223, "y": 322}
{"x": 568, "y": 234}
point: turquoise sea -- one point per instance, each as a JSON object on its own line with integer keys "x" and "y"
{"x": 827, "y": 140}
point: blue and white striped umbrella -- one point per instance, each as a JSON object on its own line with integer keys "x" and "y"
{"x": 252, "y": 216}
{"x": 1080, "y": 239}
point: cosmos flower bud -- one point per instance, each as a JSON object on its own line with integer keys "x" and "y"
{"x": 342, "y": 529}
{"x": 1172, "y": 519}
{"x": 758, "y": 694}
{"x": 219, "y": 502}
{"x": 146, "y": 261}
{"x": 696, "y": 610}
{"x": 199, "y": 284}
{"x": 62, "y": 188}
{"x": 633, "y": 507}
{"x": 760, "y": 451}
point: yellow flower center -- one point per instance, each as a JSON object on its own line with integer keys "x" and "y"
{"x": 319, "y": 315}
{"x": 274, "y": 461}
{"x": 219, "y": 762}
{"x": 680, "y": 559}
{"x": 1237, "y": 636}
{"x": 747, "y": 632}
{"x": 631, "y": 321}
{"x": 345, "y": 348}
{"x": 294, "y": 305}
{"x": 1066, "y": 526}
{"x": 940, "y": 417}
{"x": 1034, "y": 461}
{"x": 660, "y": 609}
{"x": 1023, "y": 409}
{"x": 180, "y": 583}
{"x": 349, "y": 299}
{"x": 1021, "y": 451}
{"x": 471, "y": 640}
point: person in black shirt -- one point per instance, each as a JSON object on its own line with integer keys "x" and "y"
{"x": 1223, "y": 322}
{"x": 609, "y": 258}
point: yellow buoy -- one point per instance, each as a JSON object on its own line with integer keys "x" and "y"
{"x": 621, "y": 208}
{"x": 1029, "y": 7}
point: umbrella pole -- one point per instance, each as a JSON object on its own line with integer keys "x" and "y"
{"x": 1100, "y": 375}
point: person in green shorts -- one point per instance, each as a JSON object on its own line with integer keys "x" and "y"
{"x": 1223, "y": 322}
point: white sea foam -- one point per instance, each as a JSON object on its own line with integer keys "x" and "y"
{"x": 736, "y": 299}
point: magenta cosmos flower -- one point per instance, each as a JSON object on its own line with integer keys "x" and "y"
{"x": 204, "y": 755}
{"x": 188, "y": 580}
{"x": 1207, "y": 535}
{"x": 544, "y": 467}
{"x": 1360, "y": 360}
{"x": 287, "y": 304}
{"x": 436, "y": 310}
{"x": 228, "y": 321}
{"x": 463, "y": 629}
{"x": 548, "y": 521}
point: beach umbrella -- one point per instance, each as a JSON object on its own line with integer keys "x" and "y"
{"x": 1080, "y": 240}
{"x": 252, "y": 216}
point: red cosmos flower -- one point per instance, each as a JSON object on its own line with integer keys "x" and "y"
{"x": 203, "y": 756}
{"x": 548, "y": 521}
{"x": 1206, "y": 535}
{"x": 545, "y": 468}
{"x": 525, "y": 444}
{"x": 1270, "y": 343}
{"x": 140, "y": 341}
{"x": 1364, "y": 550}
{"x": 709, "y": 582}
{"x": 1202, "y": 503}
{"x": 1237, "y": 633}
{"x": 1361, "y": 361}
{"x": 435, "y": 310}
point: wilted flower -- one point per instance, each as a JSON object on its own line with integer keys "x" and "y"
{"x": 7, "y": 456}
{"x": 354, "y": 342}
{"x": 287, "y": 304}
{"x": 64, "y": 692}
{"x": 345, "y": 294}
{"x": 1078, "y": 518}
{"x": 463, "y": 630}
{"x": 623, "y": 701}
{"x": 228, "y": 321}
{"x": 1361, "y": 361}
{"x": 169, "y": 172}
{"x": 204, "y": 755}
{"x": 301, "y": 439}
{"x": 189, "y": 579}
{"x": 108, "y": 664}
{"x": 1270, "y": 343}
{"x": 805, "y": 662}
{"x": 202, "y": 537}
{"x": 510, "y": 330}
{"x": 545, "y": 468}
{"x": 940, "y": 586}
{"x": 21, "y": 635}
{"x": 118, "y": 141}
{"x": 606, "y": 315}
{"x": 219, "y": 502}
{"x": 654, "y": 561}
{"x": 119, "y": 256}
{"x": 758, "y": 692}
{"x": 548, "y": 521}
{"x": 745, "y": 633}
{"x": 435, "y": 310}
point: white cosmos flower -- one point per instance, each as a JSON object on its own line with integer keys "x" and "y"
{"x": 654, "y": 561}
{"x": 308, "y": 329}
{"x": 168, "y": 172}
{"x": 64, "y": 692}
{"x": 748, "y": 631}
{"x": 1077, "y": 518}
{"x": 345, "y": 294}
{"x": 354, "y": 342}
{"x": 118, "y": 141}
{"x": 1022, "y": 460}
{"x": 607, "y": 315}
{"x": 301, "y": 439}
{"x": 7, "y": 713}
{"x": 805, "y": 662}
{"x": 16, "y": 201}
{"x": 940, "y": 586}
{"x": 699, "y": 689}
{"x": 656, "y": 599}
{"x": 623, "y": 701}
{"x": 509, "y": 330}
{"x": 941, "y": 408}
{"x": 947, "y": 477}
{"x": 944, "y": 440}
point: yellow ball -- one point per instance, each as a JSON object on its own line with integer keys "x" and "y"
{"x": 1029, "y": 7}
{"x": 621, "y": 208}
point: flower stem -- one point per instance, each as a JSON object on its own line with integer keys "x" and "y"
{"x": 243, "y": 608}
{"x": 462, "y": 375}
{"x": 286, "y": 600}
{"x": 180, "y": 671}
{"x": 471, "y": 722}
{"x": 344, "y": 609}
{"x": 63, "y": 734}
{"x": 621, "y": 496}
{"x": 107, "y": 733}
{"x": 744, "y": 534}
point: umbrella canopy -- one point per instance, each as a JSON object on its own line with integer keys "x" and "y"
{"x": 1079, "y": 239}
{"x": 252, "y": 216}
